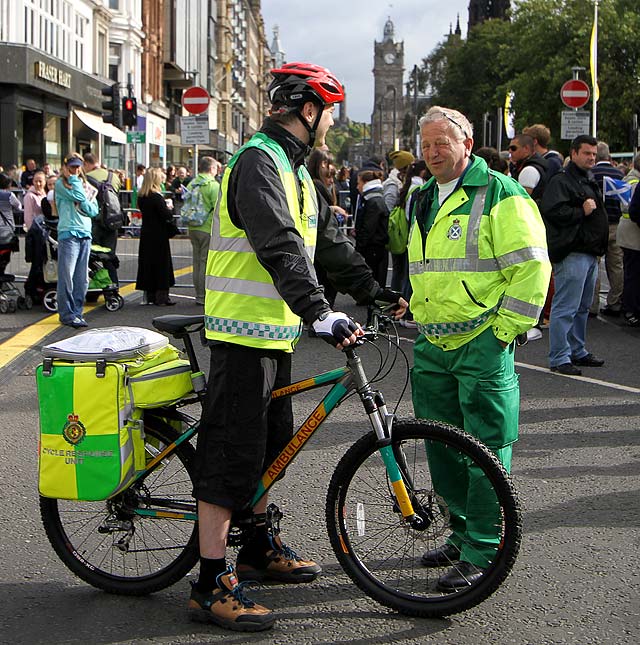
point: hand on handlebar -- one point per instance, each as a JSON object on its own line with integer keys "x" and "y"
{"x": 394, "y": 298}
{"x": 337, "y": 329}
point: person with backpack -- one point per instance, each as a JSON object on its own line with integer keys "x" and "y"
{"x": 105, "y": 227}
{"x": 199, "y": 202}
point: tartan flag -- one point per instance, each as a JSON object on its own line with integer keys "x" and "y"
{"x": 617, "y": 189}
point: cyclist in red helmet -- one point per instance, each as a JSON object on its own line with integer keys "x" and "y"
{"x": 260, "y": 287}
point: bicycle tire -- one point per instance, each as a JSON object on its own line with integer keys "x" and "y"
{"x": 161, "y": 550}
{"x": 381, "y": 552}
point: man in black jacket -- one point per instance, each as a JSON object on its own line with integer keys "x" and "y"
{"x": 260, "y": 286}
{"x": 577, "y": 234}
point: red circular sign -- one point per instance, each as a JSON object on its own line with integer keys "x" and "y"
{"x": 575, "y": 93}
{"x": 195, "y": 100}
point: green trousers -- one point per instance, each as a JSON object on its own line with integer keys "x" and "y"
{"x": 474, "y": 387}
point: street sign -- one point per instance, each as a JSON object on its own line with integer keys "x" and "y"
{"x": 575, "y": 93}
{"x": 574, "y": 123}
{"x": 194, "y": 130}
{"x": 195, "y": 100}
{"x": 135, "y": 136}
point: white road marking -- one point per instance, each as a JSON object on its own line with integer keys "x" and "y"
{"x": 545, "y": 370}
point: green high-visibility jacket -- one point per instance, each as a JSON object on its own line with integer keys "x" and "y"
{"x": 242, "y": 305}
{"x": 482, "y": 262}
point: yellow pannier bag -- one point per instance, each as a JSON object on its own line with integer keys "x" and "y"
{"x": 91, "y": 438}
{"x": 161, "y": 384}
{"x": 92, "y": 389}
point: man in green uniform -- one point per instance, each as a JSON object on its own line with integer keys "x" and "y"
{"x": 479, "y": 270}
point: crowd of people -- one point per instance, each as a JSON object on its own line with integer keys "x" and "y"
{"x": 485, "y": 231}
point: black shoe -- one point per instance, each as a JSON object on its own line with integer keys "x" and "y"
{"x": 568, "y": 369}
{"x": 612, "y": 313}
{"x": 443, "y": 556}
{"x": 633, "y": 320}
{"x": 589, "y": 360}
{"x": 460, "y": 576}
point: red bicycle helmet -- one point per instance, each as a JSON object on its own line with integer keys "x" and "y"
{"x": 296, "y": 83}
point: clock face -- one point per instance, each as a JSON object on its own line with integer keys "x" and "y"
{"x": 389, "y": 58}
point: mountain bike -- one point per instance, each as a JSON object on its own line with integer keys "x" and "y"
{"x": 382, "y": 508}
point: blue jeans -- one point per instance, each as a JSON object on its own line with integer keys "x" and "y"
{"x": 73, "y": 276}
{"x": 575, "y": 281}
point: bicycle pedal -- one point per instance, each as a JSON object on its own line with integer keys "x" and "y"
{"x": 273, "y": 517}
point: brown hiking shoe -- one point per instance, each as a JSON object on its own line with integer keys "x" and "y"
{"x": 228, "y": 607}
{"x": 280, "y": 564}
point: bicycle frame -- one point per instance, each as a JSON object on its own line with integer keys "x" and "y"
{"x": 344, "y": 380}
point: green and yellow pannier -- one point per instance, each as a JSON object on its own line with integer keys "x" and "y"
{"x": 92, "y": 389}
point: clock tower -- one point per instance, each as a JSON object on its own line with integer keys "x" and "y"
{"x": 388, "y": 69}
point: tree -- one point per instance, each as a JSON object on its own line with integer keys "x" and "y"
{"x": 533, "y": 56}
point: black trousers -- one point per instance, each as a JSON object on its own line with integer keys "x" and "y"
{"x": 242, "y": 430}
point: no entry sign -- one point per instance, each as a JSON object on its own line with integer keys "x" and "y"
{"x": 575, "y": 93}
{"x": 195, "y": 100}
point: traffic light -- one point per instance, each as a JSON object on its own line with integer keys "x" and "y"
{"x": 129, "y": 111}
{"x": 112, "y": 112}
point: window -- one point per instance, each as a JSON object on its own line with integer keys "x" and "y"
{"x": 114, "y": 4}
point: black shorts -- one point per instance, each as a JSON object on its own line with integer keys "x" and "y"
{"x": 242, "y": 430}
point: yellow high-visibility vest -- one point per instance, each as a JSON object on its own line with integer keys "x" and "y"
{"x": 242, "y": 305}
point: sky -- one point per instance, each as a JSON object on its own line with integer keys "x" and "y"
{"x": 339, "y": 34}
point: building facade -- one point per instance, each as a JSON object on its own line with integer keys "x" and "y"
{"x": 55, "y": 64}
{"x": 388, "y": 101}
{"x": 243, "y": 61}
{"x": 59, "y": 56}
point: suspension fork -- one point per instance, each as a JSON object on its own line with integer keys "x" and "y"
{"x": 382, "y": 423}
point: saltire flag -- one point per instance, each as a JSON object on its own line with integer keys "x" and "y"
{"x": 617, "y": 189}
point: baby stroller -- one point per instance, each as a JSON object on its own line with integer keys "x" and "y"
{"x": 99, "y": 281}
{"x": 10, "y": 297}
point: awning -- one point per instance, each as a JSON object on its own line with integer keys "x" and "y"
{"x": 98, "y": 125}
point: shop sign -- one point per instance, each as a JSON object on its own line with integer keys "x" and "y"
{"x": 52, "y": 74}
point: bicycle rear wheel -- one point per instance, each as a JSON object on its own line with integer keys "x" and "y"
{"x": 381, "y": 552}
{"x": 111, "y": 547}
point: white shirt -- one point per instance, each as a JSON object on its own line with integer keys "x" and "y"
{"x": 444, "y": 190}
{"x": 529, "y": 177}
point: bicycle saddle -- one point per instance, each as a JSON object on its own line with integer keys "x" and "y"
{"x": 177, "y": 324}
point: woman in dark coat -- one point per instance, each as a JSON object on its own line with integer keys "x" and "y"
{"x": 155, "y": 268}
{"x": 372, "y": 224}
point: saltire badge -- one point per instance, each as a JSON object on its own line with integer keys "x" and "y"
{"x": 74, "y": 431}
{"x": 455, "y": 230}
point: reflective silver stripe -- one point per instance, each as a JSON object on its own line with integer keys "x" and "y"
{"x": 455, "y": 328}
{"x": 454, "y": 264}
{"x": 235, "y": 244}
{"x": 475, "y": 218}
{"x": 255, "y": 330}
{"x": 522, "y": 255}
{"x": 242, "y": 287}
{"x": 521, "y": 307}
{"x": 471, "y": 261}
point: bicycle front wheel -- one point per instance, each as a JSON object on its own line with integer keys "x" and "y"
{"x": 381, "y": 551}
{"x": 110, "y": 546}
